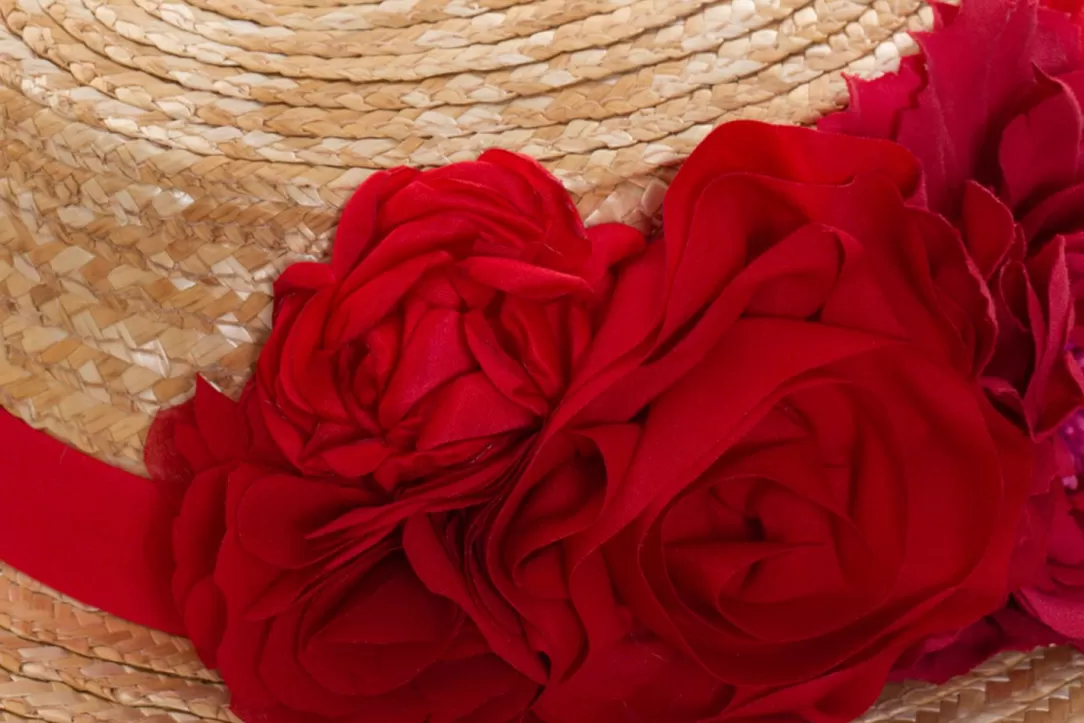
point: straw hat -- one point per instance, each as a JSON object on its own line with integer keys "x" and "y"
{"x": 162, "y": 160}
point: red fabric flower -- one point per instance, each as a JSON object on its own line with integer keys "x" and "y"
{"x": 411, "y": 374}
{"x": 820, "y": 480}
{"x": 310, "y": 615}
{"x": 444, "y": 330}
{"x": 999, "y": 136}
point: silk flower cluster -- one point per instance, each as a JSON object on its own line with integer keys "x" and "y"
{"x": 822, "y": 429}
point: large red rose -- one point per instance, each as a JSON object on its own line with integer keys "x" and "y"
{"x": 1008, "y": 169}
{"x": 457, "y": 303}
{"x": 814, "y": 479}
{"x": 308, "y": 616}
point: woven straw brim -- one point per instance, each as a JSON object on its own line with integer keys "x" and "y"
{"x": 61, "y": 661}
{"x": 162, "y": 160}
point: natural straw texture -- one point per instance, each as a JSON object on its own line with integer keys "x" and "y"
{"x": 161, "y": 160}
{"x": 62, "y": 661}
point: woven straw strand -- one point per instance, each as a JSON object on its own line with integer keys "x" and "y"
{"x": 1044, "y": 686}
{"x": 63, "y": 661}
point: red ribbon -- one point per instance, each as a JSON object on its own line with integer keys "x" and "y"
{"x": 96, "y": 533}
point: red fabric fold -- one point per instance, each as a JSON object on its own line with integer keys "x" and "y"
{"x": 94, "y": 532}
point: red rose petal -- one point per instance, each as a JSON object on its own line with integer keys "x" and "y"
{"x": 464, "y": 689}
{"x": 359, "y": 305}
{"x": 434, "y": 567}
{"x": 279, "y": 669}
{"x": 452, "y": 422}
{"x": 198, "y": 530}
{"x": 611, "y": 243}
{"x": 434, "y": 354}
{"x": 875, "y": 107}
{"x": 360, "y": 218}
{"x": 504, "y": 371}
{"x": 390, "y": 606}
{"x": 242, "y": 645}
{"x": 988, "y": 228}
{"x": 219, "y": 421}
{"x": 1039, "y": 147}
{"x": 205, "y": 619}
{"x": 278, "y": 514}
{"x": 522, "y": 279}
{"x": 374, "y": 629}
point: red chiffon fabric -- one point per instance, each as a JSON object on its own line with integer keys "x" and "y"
{"x": 95, "y": 532}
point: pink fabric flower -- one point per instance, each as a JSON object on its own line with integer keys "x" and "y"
{"x": 999, "y": 137}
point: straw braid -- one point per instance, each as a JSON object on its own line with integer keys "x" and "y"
{"x": 563, "y": 27}
{"x": 1044, "y": 686}
{"x": 381, "y": 140}
{"x": 425, "y": 26}
{"x": 63, "y": 661}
